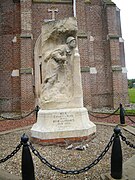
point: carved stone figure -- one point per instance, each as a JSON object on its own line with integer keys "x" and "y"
{"x": 58, "y": 82}
{"x": 61, "y": 80}
{"x": 58, "y": 63}
{"x": 61, "y": 115}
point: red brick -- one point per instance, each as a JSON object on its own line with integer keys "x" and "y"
{"x": 96, "y": 20}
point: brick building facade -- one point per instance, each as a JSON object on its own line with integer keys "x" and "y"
{"x": 100, "y": 44}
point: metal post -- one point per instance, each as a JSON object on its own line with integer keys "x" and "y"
{"x": 122, "y": 115}
{"x": 116, "y": 156}
{"x": 37, "y": 109}
{"x": 27, "y": 162}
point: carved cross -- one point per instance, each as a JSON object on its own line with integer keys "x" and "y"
{"x": 53, "y": 11}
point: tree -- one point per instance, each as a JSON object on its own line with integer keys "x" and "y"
{"x": 130, "y": 83}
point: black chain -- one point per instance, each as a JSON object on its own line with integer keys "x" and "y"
{"x": 129, "y": 118}
{"x": 19, "y": 117}
{"x": 103, "y": 117}
{"x": 127, "y": 142}
{"x": 12, "y": 153}
{"x": 73, "y": 172}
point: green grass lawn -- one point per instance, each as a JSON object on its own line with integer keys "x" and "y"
{"x": 131, "y": 93}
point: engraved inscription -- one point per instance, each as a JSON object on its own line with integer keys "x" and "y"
{"x": 63, "y": 119}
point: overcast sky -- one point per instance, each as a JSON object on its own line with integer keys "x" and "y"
{"x": 127, "y": 12}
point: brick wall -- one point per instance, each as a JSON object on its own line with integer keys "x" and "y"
{"x": 26, "y": 71}
{"x": 102, "y": 51}
{"x": 119, "y": 77}
{"x": 40, "y": 14}
{"x": 9, "y": 55}
{"x": 97, "y": 86}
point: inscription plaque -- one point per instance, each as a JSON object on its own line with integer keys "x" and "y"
{"x": 63, "y": 120}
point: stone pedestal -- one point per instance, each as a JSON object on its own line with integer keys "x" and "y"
{"x": 62, "y": 125}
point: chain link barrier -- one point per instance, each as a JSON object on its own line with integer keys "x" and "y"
{"x": 90, "y": 113}
{"x": 64, "y": 171}
{"x": 73, "y": 172}
{"x": 128, "y": 143}
{"x": 125, "y": 114}
{"x": 12, "y": 153}
{"x": 129, "y": 118}
{"x": 103, "y": 117}
{"x": 20, "y": 117}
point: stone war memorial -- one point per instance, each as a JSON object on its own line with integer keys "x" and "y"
{"x": 62, "y": 116}
{"x": 62, "y": 67}
{"x": 25, "y": 52}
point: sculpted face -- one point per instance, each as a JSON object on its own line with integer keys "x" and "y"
{"x": 72, "y": 43}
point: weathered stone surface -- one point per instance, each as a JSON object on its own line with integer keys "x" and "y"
{"x": 4, "y": 175}
{"x": 63, "y": 123}
{"x": 59, "y": 86}
{"x": 58, "y": 65}
{"x": 128, "y": 171}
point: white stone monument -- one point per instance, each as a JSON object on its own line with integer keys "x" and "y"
{"x": 62, "y": 116}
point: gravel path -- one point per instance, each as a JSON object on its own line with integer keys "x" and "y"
{"x": 66, "y": 159}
